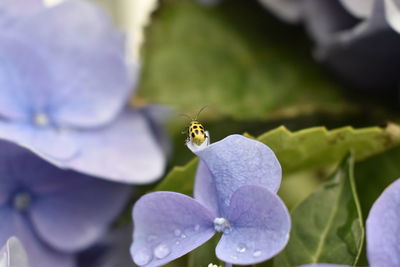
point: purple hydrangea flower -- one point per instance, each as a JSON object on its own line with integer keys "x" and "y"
{"x": 13, "y": 254}
{"x": 111, "y": 251}
{"x": 235, "y": 194}
{"x": 358, "y": 39}
{"x": 383, "y": 228}
{"x": 55, "y": 213}
{"x": 64, "y": 87}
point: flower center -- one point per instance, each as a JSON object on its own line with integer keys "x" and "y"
{"x": 41, "y": 119}
{"x": 222, "y": 225}
{"x": 22, "y": 201}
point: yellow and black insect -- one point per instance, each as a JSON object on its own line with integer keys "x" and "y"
{"x": 195, "y": 130}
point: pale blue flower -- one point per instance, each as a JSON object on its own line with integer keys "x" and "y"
{"x": 64, "y": 88}
{"x": 55, "y": 213}
{"x": 358, "y": 39}
{"x": 235, "y": 194}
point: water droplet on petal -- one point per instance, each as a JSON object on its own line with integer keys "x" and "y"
{"x": 142, "y": 257}
{"x": 177, "y": 242}
{"x": 234, "y": 257}
{"x": 257, "y": 253}
{"x": 222, "y": 225}
{"x": 183, "y": 236}
{"x": 196, "y": 228}
{"x": 241, "y": 248}
{"x": 177, "y": 232}
{"x": 162, "y": 251}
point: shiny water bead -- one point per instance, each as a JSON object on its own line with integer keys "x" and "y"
{"x": 161, "y": 251}
{"x": 143, "y": 257}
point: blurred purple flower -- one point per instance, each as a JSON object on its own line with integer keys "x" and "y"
{"x": 55, "y": 213}
{"x": 64, "y": 88}
{"x": 13, "y": 254}
{"x": 235, "y": 194}
{"x": 111, "y": 251}
{"x": 359, "y": 39}
{"x": 383, "y": 228}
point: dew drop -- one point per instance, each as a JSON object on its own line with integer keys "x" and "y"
{"x": 257, "y": 253}
{"x": 177, "y": 232}
{"x": 183, "y": 236}
{"x": 142, "y": 257}
{"x": 241, "y": 248}
{"x": 222, "y": 225}
{"x": 196, "y": 228}
{"x": 234, "y": 257}
{"x": 177, "y": 242}
{"x": 162, "y": 251}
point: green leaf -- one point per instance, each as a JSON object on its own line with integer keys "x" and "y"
{"x": 317, "y": 147}
{"x": 310, "y": 148}
{"x": 204, "y": 255}
{"x": 327, "y": 227}
{"x": 234, "y": 57}
{"x": 180, "y": 179}
{"x": 375, "y": 174}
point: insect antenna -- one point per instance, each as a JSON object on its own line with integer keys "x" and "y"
{"x": 186, "y": 128}
{"x": 198, "y": 113}
{"x": 185, "y": 115}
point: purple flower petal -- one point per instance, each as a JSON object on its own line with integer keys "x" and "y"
{"x": 325, "y": 18}
{"x": 369, "y": 41}
{"x": 23, "y": 85}
{"x": 13, "y": 254}
{"x": 111, "y": 251}
{"x": 47, "y": 142}
{"x": 260, "y": 225}
{"x": 359, "y": 8}
{"x": 287, "y": 10}
{"x": 10, "y": 10}
{"x": 39, "y": 254}
{"x": 90, "y": 81}
{"x": 236, "y": 161}
{"x": 124, "y": 151}
{"x": 204, "y": 190}
{"x": 67, "y": 209}
{"x": 168, "y": 225}
{"x": 78, "y": 212}
{"x": 383, "y": 228}
{"x": 392, "y": 12}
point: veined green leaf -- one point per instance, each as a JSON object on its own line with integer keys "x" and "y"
{"x": 327, "y": 227}
{"x": 317, "y": 146}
